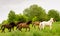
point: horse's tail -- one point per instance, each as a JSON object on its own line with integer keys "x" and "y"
{"x": 2, "y": 26}
{"x": 17, "y": 27}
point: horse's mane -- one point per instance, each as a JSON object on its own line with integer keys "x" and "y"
{"x": 12, "y": 23}
{"x": 19, "y": 22}
{"x": 29, "y": 22}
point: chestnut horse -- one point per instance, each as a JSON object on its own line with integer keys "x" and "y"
{"x": 24, "y": 25}
{"x": 36, "y": 23}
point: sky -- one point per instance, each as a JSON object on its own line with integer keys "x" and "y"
{"x": 19, "y": 5}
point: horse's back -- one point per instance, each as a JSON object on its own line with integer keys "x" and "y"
{"x": 6, "y": 26}
{"x": 24, "y": 25}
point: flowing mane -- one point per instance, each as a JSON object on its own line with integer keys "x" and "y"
{"x": 19, "y": 22}
{"x": 12, "y": 23}
{"x": 29, "y": 22}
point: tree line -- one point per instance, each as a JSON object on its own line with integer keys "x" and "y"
{"x": 34, "y": 13}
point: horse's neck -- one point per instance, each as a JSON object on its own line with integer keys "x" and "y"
{"x": 50, "y": 21}
{"x": 27, "y": 23}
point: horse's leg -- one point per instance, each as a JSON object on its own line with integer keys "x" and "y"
{"x": 20, "y": 29}
{"x": 29, "y": 28}
{"x": 9, "y": 29}
{"x": 34, "y": 27}
{"x": 16, "y": 27}
{"x": 50, "y": 27}
{"x": 26, "y": 29}
{"x": 38, "y": 27}
{"x": 43, "y": 26}
{"x": 13, "y": 28}
{"x": 3, "y": 30}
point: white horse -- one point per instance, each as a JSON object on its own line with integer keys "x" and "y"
{"x": 46, "y": 23}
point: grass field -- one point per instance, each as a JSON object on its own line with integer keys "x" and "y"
{"x": 35, "y": 32}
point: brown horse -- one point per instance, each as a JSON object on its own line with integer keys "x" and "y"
{"x": 24, "y": 25}
{"x": 8, "y": 26}
{"x": 36, "y": 23}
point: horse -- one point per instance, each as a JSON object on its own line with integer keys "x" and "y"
{"x": 36, "y": 23}
{"x": 12, "y": 24}
{"x": 46, "y": 23}
{"x": 24, "y": 25}
{"x": 8, "y": 26}
{"x": 18, "y": 23}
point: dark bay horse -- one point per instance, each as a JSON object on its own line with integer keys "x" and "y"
{"x": 8, "y": 26}
{"x": 24, "y": 25}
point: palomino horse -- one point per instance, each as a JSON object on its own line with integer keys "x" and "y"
{"x": 8, "y": 26}
{"x": 46, "y": 23}
{"x": 24, "y": 25}
{"x": 36, "y": 23}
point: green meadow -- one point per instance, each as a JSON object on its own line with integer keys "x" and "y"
{"x": 35, "y": 31}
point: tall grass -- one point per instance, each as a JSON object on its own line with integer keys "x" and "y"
{"x": 35, "y": 31}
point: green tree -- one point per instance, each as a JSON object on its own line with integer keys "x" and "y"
{"x": 5, "y": 22}
{"x": 35, "y": 10}
{"x": 35, "y": 19}
{"x": 11, "y": 16}
{"x": 53, "y": 13}
{"x": 22, "y": 18}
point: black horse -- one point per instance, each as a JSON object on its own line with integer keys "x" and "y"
{"x": 8, "y": 26}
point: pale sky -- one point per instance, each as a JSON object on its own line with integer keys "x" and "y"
{"x": 19, "y": 5}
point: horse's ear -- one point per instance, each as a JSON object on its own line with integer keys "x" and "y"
{"x": 54, "y": 20}
{"x": 41, "y": 21}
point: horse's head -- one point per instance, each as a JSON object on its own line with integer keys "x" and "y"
{"x": 29, "y": 22}
{"x": 52, "y": 20}
{"x": 12, "y": 23}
